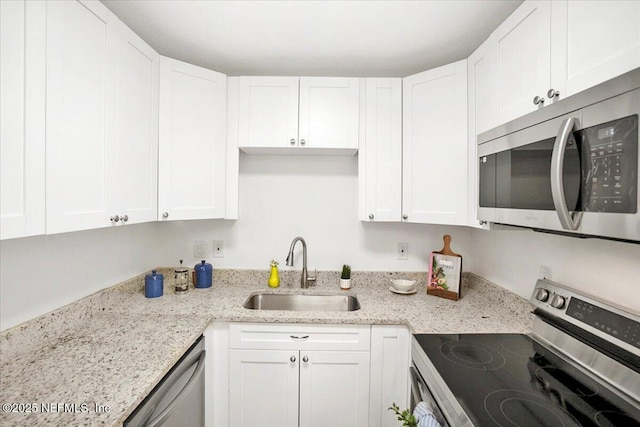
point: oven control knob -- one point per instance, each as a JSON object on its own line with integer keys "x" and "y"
{"x": 542, "y": 294}
{"x": 557, "y": 301}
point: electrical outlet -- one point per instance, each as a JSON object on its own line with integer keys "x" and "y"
{"x": 403, "y": 250}
{"x": 218, "y": 249}
{"x": 200, "y": 249}
{"x": 544, "y": 272}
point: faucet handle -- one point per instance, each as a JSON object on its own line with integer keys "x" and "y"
{"x": 311, "y": 281}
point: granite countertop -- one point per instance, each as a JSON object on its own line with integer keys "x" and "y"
{"x": 111, "y": 348}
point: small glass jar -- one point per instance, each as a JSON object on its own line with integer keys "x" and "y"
{"x": 181, "y": 275}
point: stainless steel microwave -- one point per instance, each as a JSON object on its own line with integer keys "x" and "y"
{"x": 570, "y": 167}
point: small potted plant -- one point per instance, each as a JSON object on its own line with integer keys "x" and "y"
{"x": 345, "y": 277}
{"x": 407, "y": 418}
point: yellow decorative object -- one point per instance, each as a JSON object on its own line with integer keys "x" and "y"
{"x": 274, "y": 279}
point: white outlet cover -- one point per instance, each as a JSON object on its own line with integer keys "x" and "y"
{"x": 218, "y": 249}
{"x": 403, "y": 250}
{"x": 200, "y": 249}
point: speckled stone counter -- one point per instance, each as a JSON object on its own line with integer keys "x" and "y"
{"x": 113, "y": 347}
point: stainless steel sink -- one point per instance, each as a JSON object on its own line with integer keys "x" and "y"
{"x": 302, "y": 302}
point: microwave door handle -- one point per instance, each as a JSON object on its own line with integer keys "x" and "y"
{"x": 568, "y": 220}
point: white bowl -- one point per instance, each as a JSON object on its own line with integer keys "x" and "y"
{"x": 403, "y": 284}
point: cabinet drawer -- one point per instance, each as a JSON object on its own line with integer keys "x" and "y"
{"x": 288, "y": 336}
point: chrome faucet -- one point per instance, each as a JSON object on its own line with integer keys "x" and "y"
{"x": 305, "y": 280}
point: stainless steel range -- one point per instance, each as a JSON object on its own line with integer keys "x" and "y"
{"x": 580, "y": 366}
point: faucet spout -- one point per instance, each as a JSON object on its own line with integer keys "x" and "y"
{"x": 304, "y": 280}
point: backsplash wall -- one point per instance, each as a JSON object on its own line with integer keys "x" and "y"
{"x": 280, "y": 197}
{"x": 317, "y": 198}
{"x": 606, "y": 269}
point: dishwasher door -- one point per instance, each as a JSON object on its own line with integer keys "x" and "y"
{"x": 178, "y": 400}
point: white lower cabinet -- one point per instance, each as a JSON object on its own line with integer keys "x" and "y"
{"x": 290, "y": 375}
{"x": 263, "y": 388}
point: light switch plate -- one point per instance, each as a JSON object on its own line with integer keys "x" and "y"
{"x": 200, "y": 249}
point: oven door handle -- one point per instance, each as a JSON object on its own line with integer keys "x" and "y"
{"x": 568, "y": 220}
{"x": 418, "y": 387}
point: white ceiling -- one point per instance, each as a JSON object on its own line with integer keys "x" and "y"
{"x": 321, "y": 38}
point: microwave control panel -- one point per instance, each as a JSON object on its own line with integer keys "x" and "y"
{"x": 611, "y": 166}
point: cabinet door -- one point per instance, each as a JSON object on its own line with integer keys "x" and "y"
{"x": 482, "y": 83}
{"x": 390, "y": 359}
{"x": 329, "y": 110}
{"x": 380, "y": 153}
{"x": 434, "y": 185}
{"x": 22, "y": 118}
{"x": 136, "y": 136}
{"x": 523, "y": 59}
{"x": 263, "y": 388}
{"x": 334, "y": 389}
{"x": 192, "y": 142}
{"x": 81, "y": 95}
{"x": 593, "y": 41}
{"x": 268, "y": 112}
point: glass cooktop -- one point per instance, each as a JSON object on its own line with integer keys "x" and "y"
{"x": 510, "y": 380}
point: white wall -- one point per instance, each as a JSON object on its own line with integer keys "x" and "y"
{"x": 280, "y": 198}
{"x": 42, "y": 273}
{"x": 317, "y": 198}
{"x": 606, "y": 269}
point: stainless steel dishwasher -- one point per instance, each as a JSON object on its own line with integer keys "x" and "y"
{"x": 178, "y": 400}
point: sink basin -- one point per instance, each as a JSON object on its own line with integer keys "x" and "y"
{"x": 302, "y": 302}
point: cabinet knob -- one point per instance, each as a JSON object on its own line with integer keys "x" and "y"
{"x": 115, "y": 218}
{"x": 292, "y": 141}
{"x": 305, "y": 359}
{"x": 292, "y": 359}
{"x": 370, "y": 216}
{"x": 482, "y": 222}
{"x": 124, "y": 218}
{"x": 538, "y": 100}
{"x": 552, "y": 93}
{"x": 302, "y": 142}
{"x": 405, "y": 217}
{"x": 165, "y": 215}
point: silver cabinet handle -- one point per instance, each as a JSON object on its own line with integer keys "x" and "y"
{"x": 370, "y": 216}
{"x": 165, "y": 215}
{"x": 538, "y": 100}
{"x": 405, "y": 217}
{"x": 568, "y": 220}
{"x": 115, "y": 218}
{"x": 159, "y": 420}
{"x": 292, "y": 359}
{"x": 292, "y": 141}
{"x": 298, "y": 337}
{"x": 552, "y": 93}
{"x": 482, "y": 222}
{"x": 302, "y": 142}
{"x": 305, "y": 359}
{"x": 124, "y": 218}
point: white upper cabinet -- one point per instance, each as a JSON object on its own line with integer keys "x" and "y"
{"x": 81, "y": 100}
{"x": 192, "y": 142}
{"x": 482, "y": 84}
{"x": 592, "y": 41}
{"x": 298, "y": 115}
{"x": 102, "y": 118}
{"x": 22, "y": 118}
{"x": 434, "y": 188}
{"x": 329, "y": 110}
{"x": 269, "y": 112}
{"x": 523, "y": 60}
{"x": 380, "y": 153}
{"x": 136, "y": 136}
